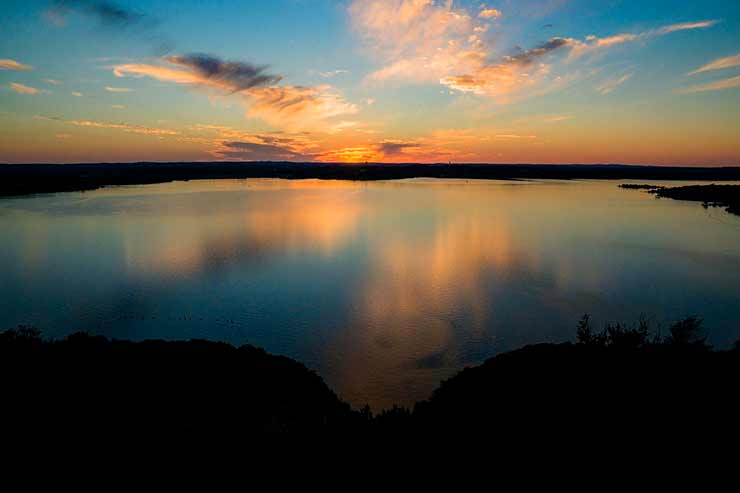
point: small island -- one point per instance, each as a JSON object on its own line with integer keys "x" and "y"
{"x": 727, "y": 196}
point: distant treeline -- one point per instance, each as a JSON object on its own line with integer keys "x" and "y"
{"x": 727, "y": 196}
{"x": 620, "y": 377}
{"x": 23, "y": 179}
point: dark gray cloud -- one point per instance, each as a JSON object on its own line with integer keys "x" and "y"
{"x": 395, "y": 147}
{"x": 107, "y": 13}
{"x": 237, "y": 76}
{"x": 530, "y": 56}
{"x": 252, "y": 151}
{"x": 113, "y": 18}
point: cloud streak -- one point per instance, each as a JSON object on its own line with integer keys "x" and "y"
{"x": 118, "y": 89}
{"x": 125, "y": 127}
{"x": 260, "y": 151}
{"x": 720, "y": 85}
{"x": 9, "y": 64}
{"x": 594, "y": 44}
{"x": 719, "y": 64}
{"x": 106, "y": 13}
{"x": 23, "y": 89}
{"x": 611, "y": 84}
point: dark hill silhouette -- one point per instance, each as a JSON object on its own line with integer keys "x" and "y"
{"x": 616, "y": 379}
{"x": 87, "y": 383}
{"x": 620, "y": 378}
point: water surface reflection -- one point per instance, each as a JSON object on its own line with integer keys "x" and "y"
{"x": 384, "y": 288}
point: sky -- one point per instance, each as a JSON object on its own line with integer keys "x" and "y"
{"x": 499, "y": 81}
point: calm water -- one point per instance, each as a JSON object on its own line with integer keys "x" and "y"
{"x": 383, "y": 288}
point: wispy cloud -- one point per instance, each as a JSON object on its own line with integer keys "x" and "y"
{"x": 719, "y": 64}
{"x": 685, "y": 26}
{"x": 106, "y": 13}
{"x": 557, "y": 118}
{"x": 417, "y": 40}
{"x": 279, "y": 105}
{"x": 8, "y": 64}
{"x": 333, "y": 73}
{"x": 125, "y": 127}
{"x": 611, "y": 84}
{"x": 593, "y": 43}
{"x": 422, "y": 41}
{"x": 111, "y": 16}
{"x": 23, "y": 89}
{"x": 77, "y": 94}
{"x": 720, "y": 85}
{"x": 53, "y": 82}
{"x": 515, "y": 136}
{"x": 509, "y": 75}
{"x": 117, "y": 89}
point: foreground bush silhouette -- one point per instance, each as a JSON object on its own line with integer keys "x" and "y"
{"x": 619, "y": 378}
{"x": 89, "y": 383}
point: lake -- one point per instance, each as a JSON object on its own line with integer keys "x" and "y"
{"x": 383, "y": 288}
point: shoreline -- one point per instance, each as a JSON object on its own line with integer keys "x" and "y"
{"x": 723, "y": 196}
{"x": 28, "y": 179}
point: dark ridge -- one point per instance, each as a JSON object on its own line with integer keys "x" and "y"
{"x": 620, "y": 378}
{"x": 24, "y": 179}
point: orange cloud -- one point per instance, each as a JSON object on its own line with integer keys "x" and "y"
{"x": 363, "y": 154}
{"x": 512, "y": 75}
{"x": 8, "y": 64}
{"x": 417, "y": 40}
{"x": 23, "y": 89}
{"x": 292, "y": 106}
{"x": 490, "y": 14}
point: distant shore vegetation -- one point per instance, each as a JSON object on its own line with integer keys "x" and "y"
{"x": 725, "y": 196}
{"x": 25, "y": 179}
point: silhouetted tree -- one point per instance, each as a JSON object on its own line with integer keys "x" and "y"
{"x": 687, "y": 332}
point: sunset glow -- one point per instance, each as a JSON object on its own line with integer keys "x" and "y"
{"x": 354, "y": 81}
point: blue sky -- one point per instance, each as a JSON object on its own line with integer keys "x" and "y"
{"x": 359, "y": 80}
